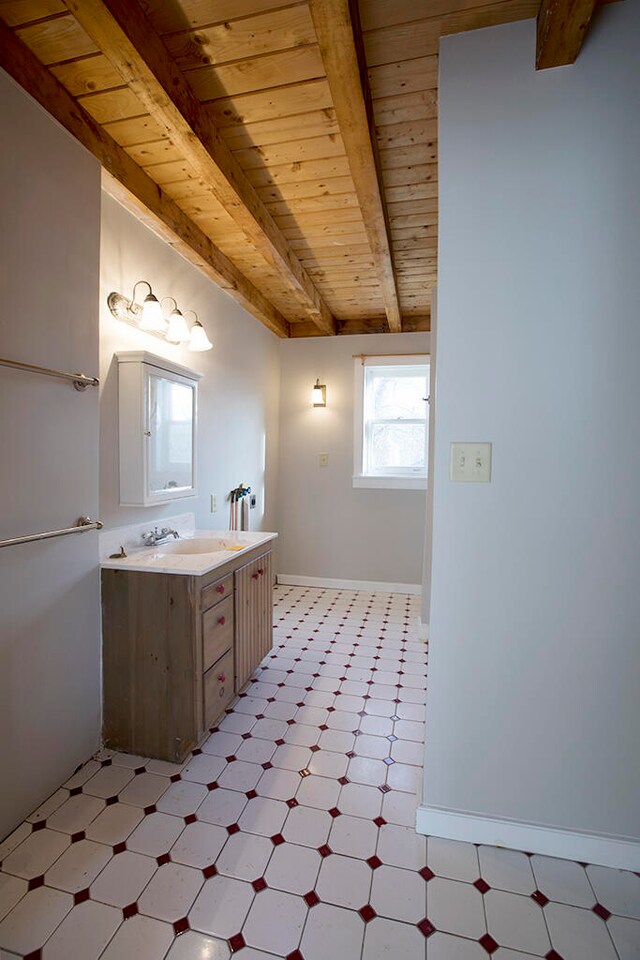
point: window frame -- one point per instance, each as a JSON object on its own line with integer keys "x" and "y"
{"x": 388, "y": 481}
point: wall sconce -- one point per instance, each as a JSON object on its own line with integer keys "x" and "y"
{"x": 150, "y": 317}
{"x": 319, "y": 394}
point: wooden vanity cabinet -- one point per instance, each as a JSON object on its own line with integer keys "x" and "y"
{"x": 177, "y": 648}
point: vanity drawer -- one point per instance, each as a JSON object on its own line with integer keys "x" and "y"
{"x": 218, "y": 688}
{"x": 216, "y": 592}
{"x": 217, "y": 631}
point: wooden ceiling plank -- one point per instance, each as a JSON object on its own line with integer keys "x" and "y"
{"x": 138, "y": 189}
{"x": 272, "y": 104}
{"x": 419, "y": 105}
{"x": 266, "y": 133}
{"x": 404, "y": 76}
{"x": 122, "y": 31}
{"x": 293, "y": 151}
{"x": 339, "y": 37}
{"x": 53, "y": 41}
{"x": 306, "y": 189}
{"x": 189, "y": 14}
{"x": 270, "y": 71}
{"x": 561, "y": 28}
{"x": 18, "y": 13}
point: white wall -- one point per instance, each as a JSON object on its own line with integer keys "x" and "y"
{"x": 327, "y": 528}
{"x": 533, "y": 709}
{"x": 49, "y": 597}
{"x": 238, "y": 394}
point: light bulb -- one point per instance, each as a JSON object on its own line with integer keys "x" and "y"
{"x": 177, "y": 331}
{"x": 152, "y": 318}
{"x": 199, "y": 339}
{"x": 318, "y": 395}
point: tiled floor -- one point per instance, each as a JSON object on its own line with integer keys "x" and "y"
{"x": 289, "y": 834}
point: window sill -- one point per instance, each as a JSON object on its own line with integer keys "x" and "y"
{"x": 390, "y": 483}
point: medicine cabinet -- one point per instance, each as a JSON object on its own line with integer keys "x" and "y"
{"x": 158, "y": 404}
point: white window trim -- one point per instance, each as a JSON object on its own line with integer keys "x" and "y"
{"x": 388, "y": 481}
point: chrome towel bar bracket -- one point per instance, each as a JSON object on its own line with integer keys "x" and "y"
{"x": 82, "y": 526}
{"x": 79, "y": 380}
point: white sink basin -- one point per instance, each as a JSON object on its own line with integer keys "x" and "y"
{"x": 201, "y": 545}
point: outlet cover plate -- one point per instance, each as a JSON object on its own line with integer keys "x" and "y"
{"x": 470, "y": 463}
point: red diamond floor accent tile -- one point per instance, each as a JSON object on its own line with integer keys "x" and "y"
{"x": 259, "y": 884}
{"x": 149, "y": 810}
{"x": 81, "y": 896}
{"x": 277, "y": 839}
{"x": 190, "y": 818}
{"x": 162, "y": 859}
{"x": 36, "y": 882}
{"x": 426, "y": 874}
{"x": 488, "y": 943}
{"x": 601, "y": 911}
{"x": 76, "y": 837}
{"x": 481, "y": 885}
{"x": 334, "y": 812}
{"x": 210, "y": 871}
{"x": 540, "y": 898}
{"x": 425, "y": 927}
{"x": 380, "y": 822}
{"x": 41, "y": 824}
{"x": 311, "y": 899}
{"x": 119, "y": 848}
{"x": 180, "y": 926}
{"x": 325, "y": 850}
{"x": 233, "y": 828}
{"x": 553, "y": 955}
{"x": 130, "y": 911}
{"x": 236, "y": 943}
{"x": 296, "y": 955}
{"x": 367, "y": 913}
{"x": 374, "y": 862}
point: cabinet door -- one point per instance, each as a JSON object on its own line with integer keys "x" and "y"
{"x": 254, "y": 615}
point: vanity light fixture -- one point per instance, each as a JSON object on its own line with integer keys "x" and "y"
{"x": 149, "y": 316}
{"x": 319, "y": 394}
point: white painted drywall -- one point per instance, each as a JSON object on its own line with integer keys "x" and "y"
{"x": 533, "y": 709}
{"x": 49, "y": 591}
{"x": 425, "y": 604}
{"x": 238, "y": 394}
{"x": 328, "y": 529}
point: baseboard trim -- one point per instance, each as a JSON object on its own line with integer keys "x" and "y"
{"x": 423, "y": 629}
{"x": 290, "y": 579}
{"x": 567, "y": 844}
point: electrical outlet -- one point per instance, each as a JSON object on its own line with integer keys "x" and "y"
{"x": 324, "y": 459}
{"x": 214, "y": 503}
{"x": 470, "y": 463}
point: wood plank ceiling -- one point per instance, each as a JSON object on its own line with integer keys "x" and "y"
{"x": 288, "y": 149}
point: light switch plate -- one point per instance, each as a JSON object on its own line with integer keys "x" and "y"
{"x": 324, "y": 459}
{"x": 470, "y": 463}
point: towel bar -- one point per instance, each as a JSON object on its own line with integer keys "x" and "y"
{"x": 83, "y": 524}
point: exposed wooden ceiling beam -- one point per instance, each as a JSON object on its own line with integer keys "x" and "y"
{"x": 357, "y": 327}
{"x": 126, "y": 37}
{"x": 339, "y": 36}
{"x": 561, "y": 28}
{"x": 139, "y": 191}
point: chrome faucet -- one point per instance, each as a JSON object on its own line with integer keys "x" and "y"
{"x": 154, "y": 537}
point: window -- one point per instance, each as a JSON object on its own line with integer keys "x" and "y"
{"x": 391, "y": 422}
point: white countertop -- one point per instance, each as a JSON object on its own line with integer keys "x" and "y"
{"x": 160, "y": 559}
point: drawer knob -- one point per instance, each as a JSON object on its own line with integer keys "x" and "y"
{"x": 254, "y": 576}
{"x": 220, "y": 588}
{"x": 221, "y": 678}
{"x": 261, "y": 571}
{"x": 221, "y": 621}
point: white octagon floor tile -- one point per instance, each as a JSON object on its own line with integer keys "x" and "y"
{"x": 156, "y": 834}
{"x": 307, "y": 826}
{"x": 367, "y": 771}
{"x": 402, "y": 776}
{"x": 320, "y": 792}
{"x": 199, "y": 844}
{"x": 241, "y": 775}
{"x": 245, "y": 856}
{"x": 291, "y": 757}
{"x": 359, "y": 800}
{"x": 108, "y": 781}
{"x": 354, "y": 837}
{"x": 78, "y": 866}
{"x": 578, "y": 934}
{"x": 626, "y": 937}
{"x": 399, "y": 808}
{"x": 36, "y": 854}
{"x": 256, "y": 750}
{"x": 562, "y": 880}
{"x": 49, "y": 806}
{"x": 344, "y": 881}
{"x": 333, "y": 932}
{"x": 141, "y": 938}
{"x": 386, "y": 939}
{"x": 33, "y": 920}
{"x": 408, "y": 751}
{"x": 325, "y": 763}
{"x": 293, "y": 868}
{"x": 443, "y": 946}
{"x": 123, "y": 879}
{"x": 264, "y": 816}
{"x": 144, "y": 790}
{"x": 222, "y": 807}
{"x": 12, "y": 889}
{"x": 222, "y": 744}
{"x": 197, "y": 946}
{"x": 505, "y": 869}
{"x": 402, "y": 847}
{"x": 14, "y": 839}
{"x": 617, "y": 890}
{"x": 84, "y": 932}
{"x": 517, "y": 922}
{"x": 275, "y": 922}
{"x": 204, "y": 768}
{"x": 182, "y": 798}
{"x": 221, "y": 907}
{"x": 76, "y": 814}
{"x": 455, "y": 907}
{"x": 453, "y": 859}
{"x": 171, "y": 892}
{"x": 114, "y": 824}
{"x": 399, "y": 894}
